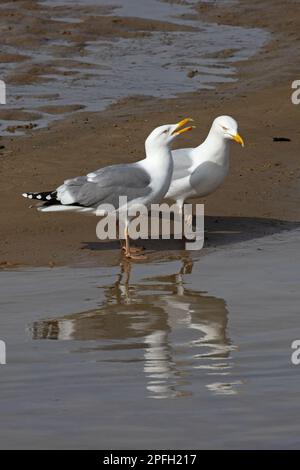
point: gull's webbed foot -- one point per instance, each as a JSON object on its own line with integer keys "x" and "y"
{"x": 131, "y": 255}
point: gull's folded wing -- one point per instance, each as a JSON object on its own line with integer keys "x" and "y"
{"x": 104, "y": 186}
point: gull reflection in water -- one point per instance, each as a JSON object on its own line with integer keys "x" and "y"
{"x": 182, "y": 333}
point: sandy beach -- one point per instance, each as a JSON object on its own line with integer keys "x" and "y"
{"x": 262, "y": 184}
{"x": 185, "y": 350}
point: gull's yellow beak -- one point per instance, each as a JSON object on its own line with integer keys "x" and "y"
{"x": 237, "y": 138}
{"x": 180, "y": 124}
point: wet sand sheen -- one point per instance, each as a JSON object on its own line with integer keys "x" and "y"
{"x": 263, "y": 179}
{"x": 91, "y": 350}
{"x": 194, "y": 352}
{"x": 104, "y": 53}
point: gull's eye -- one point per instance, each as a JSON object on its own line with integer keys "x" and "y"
{"x": 166, "y": 131}
{"x": 224, "y": 128}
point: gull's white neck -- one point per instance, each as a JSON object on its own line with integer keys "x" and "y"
{"x": 159, "y": 164}
{"x": 215, "y": 147}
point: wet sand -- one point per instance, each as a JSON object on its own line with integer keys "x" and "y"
{"x": 194, "y": 353}
{"x": 96, "y": 53}
{"x": 186, "y": 350}
{"x": 263, "y": 182}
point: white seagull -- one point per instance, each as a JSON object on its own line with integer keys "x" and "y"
{"x": 201, "y": 170}
{"x": 142, "y": 183}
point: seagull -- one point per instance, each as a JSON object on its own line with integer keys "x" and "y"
{"x": 142, "y": 183}
{"x": 199, "y": 171}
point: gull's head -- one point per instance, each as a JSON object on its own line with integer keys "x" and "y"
{"x": 227, "y": 127}
{"x": 165, "y": 135}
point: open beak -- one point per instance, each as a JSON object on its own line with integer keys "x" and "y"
{"x": 237, "y": 138}
{"x": 179, "y": 129}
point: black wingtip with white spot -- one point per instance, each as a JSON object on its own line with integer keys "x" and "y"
{"x": 48, "y": 196}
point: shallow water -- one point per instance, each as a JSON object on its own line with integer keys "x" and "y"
{"x": 110, "y": 69}
{"x": 175, "y": 354}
